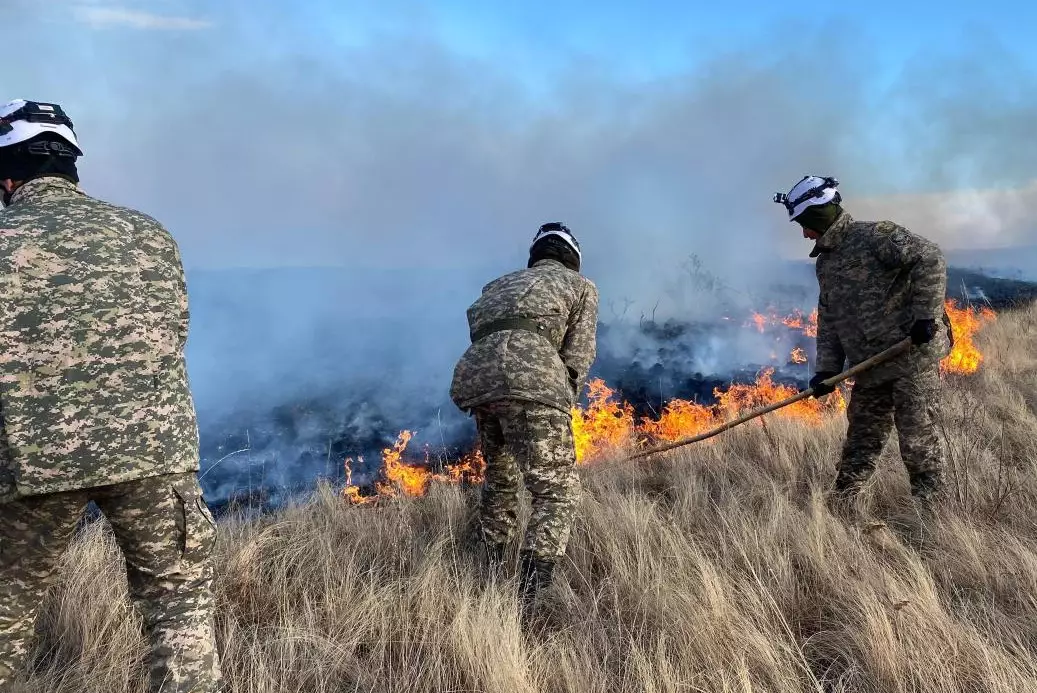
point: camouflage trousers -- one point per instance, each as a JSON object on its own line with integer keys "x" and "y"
{"x": 166, "y": 534}
{"x": 528, "y": 442}
{"x": 911, "y": 403}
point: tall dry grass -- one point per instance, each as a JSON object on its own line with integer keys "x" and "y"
{"x": 716, "y": 569}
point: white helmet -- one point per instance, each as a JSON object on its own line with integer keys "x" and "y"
{"x": 21, "y": 120}
{"x": 811, "y": 191}
{"x": 557, "y": 228}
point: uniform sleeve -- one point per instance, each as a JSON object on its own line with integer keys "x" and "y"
{"x": 579, "y": 346}
{"x": 182, "y": 308}
{"x": 895, "y": 246}
{"x": 830, "y": 354}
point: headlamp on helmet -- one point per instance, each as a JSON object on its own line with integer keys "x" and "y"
{"x": 808, "y": 192}
{"x": 21, "y": 121}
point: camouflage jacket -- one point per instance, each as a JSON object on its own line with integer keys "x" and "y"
{"x": 93, "y": 322}
{"x": 876, "y": 279}
{"x": 549, "y": 366}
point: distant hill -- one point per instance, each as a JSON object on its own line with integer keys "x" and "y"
{"x": 973, "y": 286}
{"x": 1008, "y": 263}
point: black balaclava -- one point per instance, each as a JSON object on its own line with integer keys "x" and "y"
{"x": 44, "y": 155}
{"x": 819, "y": 218}
{"x": 554, "y": 248}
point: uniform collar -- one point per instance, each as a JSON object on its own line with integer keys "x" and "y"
{"x": 548, "y": 261}
{"x": 45, "y": 188}
{"x": 833, "y": 236}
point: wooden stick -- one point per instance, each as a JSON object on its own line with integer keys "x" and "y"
{"x": 870, "y": 363}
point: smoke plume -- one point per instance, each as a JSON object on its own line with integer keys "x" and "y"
{"x": 339, "y": 202}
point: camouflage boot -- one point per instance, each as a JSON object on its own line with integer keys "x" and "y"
{"x": 534, "y": 577}
{"x": 927, "y": 488}
{"x": 844, "y": 498}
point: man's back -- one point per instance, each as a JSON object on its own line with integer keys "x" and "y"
{"x": 875, "y": 279}
{"x": 547, "y": 365}
{"x": 93, "y": 385}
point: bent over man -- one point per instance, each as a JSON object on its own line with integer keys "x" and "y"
{"x": 879, "y": 283}
{"x": 533, "y": 343}
{"x": 95, "y": 402}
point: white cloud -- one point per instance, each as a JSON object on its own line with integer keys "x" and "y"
{"x": 101, "y": 16}
{"x": 961, "y": 219}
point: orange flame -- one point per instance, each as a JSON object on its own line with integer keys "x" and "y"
{"x": 604, "y": 425}
{"x": 471, "y": 467}
{"x": 608, "y": 426}
{"x": 680, "y": 419}
{"x": 413, "y": 479}
{"x": 739, "y": 398}
{"x": 351, "y": 492}
{"x": 796, "y": 321}
{"x": 965, "y": 358}
{"x": 683, "y": 419}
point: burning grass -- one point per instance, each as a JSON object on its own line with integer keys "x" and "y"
{"x": 718, "y": 568}
{"x": 966, "y": 357}
{"x": 796, "y": 320}
{"x": 607, "y": 426}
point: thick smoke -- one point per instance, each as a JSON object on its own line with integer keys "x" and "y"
{"x": 339, "y": 202}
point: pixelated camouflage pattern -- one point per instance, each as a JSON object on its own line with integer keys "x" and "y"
{"x": 548, "y": 368}
{"x": 93, "y": 322}
{"x": 530, "y": 443}
{"x": 167, "y": 536}
{"x": 875, "y": 280}
{"x": 911, "y": 404}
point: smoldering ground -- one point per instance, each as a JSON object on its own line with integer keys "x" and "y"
{"x": 382, "y": 182}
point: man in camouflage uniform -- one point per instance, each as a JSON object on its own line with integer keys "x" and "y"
{"x": 533, "y": 337}
{"x": 95, "y": 403}
{"x": 879, "y": 283}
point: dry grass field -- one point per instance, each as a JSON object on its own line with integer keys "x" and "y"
{"x": 718, "y": 568}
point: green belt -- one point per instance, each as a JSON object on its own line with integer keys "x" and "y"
{"x": 506, "y": 324}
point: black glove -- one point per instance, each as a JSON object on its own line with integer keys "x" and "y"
{"x": 820, "y": 390}
{"x": 574, "y": 384}
{"x": 923, "y": 331}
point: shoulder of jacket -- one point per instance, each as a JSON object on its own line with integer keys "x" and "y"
{"x": 877, "y": 231}
{"x": 863, "y": 226}
{"x": 886, "y": 227}
{"x": 503, "y": 279}
{"x": 588, "y": 285}
{"x": 85, "y": 205}
{"x": 128, "y": 213}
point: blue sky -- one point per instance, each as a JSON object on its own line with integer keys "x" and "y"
{"x": 647, "y": 39}
{"x": 658, "y": 37}
{"x": 532, "y": 41}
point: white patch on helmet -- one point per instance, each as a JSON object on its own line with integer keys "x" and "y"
{"x": 806, "y": 185}
{"x": 569, "y": 240}
{"x": 9, "y": 108}
{"x": 23, "y": 130}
